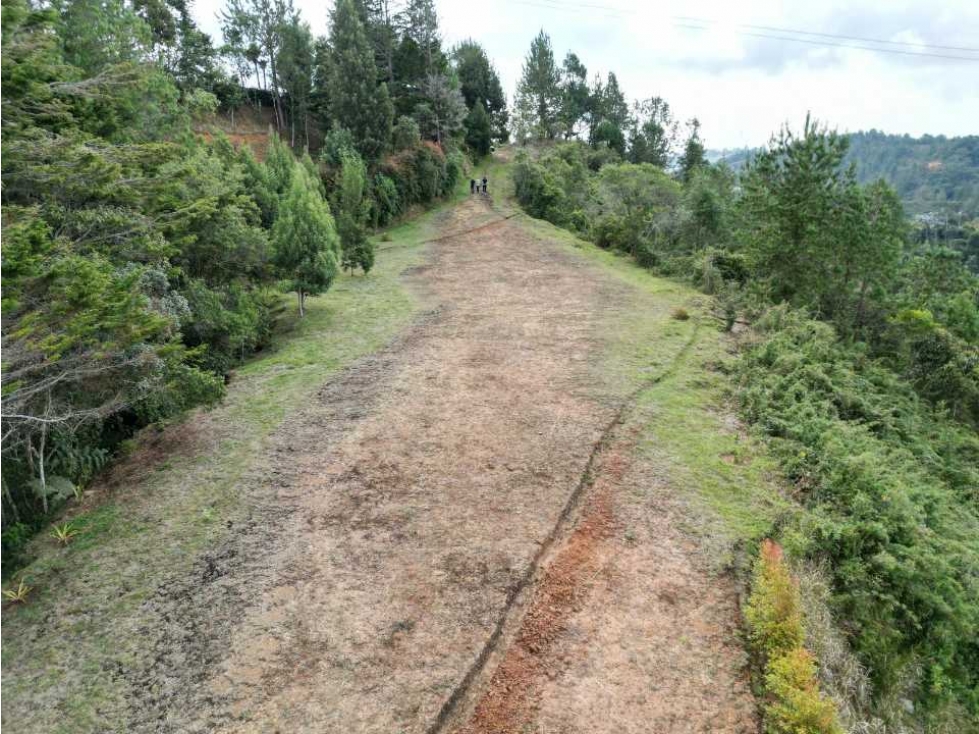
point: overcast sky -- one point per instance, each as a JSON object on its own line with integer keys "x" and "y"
{"x": 742, "y": 86}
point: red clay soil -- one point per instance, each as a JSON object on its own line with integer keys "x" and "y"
{"x": 514, "y": 690}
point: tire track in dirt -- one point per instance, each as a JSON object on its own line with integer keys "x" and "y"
{"x": 190, "y": 619}
{"x": 537, "y": 609}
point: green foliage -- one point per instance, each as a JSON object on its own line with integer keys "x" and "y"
{"x": 774, "y": 609}
{"x": 135, "y": 257}
{"x": 794, "y": 704}
{"x": 17, "y": 594}
{"x": 441, "y": 111}
{"x": 420, "y": 174}
{"x": 64, "y": 532}
{"x": 930, "y": 173}
{"x": 356, "y": 99}
{"x": 295, "y": 69}
{"x": 609, "y": 114}
{"x": 406, "y": 134}
{"x": 538, "y": 93}
{"x": 821, "y": 240}
{"x": 385, "y": 201}
{"x": 478, "y": 131}
{"x": 607, "y": 134}
{"x": 575, "y": 95}
{"x": 653, "y": 134}
{"x": 693, "y": 156}
{"x": 538, "y": 190}
{"x": 480, "y": 85}
{"x": 797, "y": 706}
{"x": 353, "y": 209}
{"x": 890, "y": 489}
{"x": 306, "y": 246}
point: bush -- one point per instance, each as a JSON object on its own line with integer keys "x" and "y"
{"x": 890, "y": 489}
{"x": 385, "y": 201}
{"x": 537, "y": 191}
{"x": 421, "y": 174}
{"x": 405, "y": 134}
{"x": 797, "y": 707}
{"x": 774, "y": 611}
{"x": 794, "y": 704}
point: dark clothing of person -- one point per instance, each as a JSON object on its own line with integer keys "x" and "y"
{"x": 484, "y": 184}
{"x": 472, "y": 186}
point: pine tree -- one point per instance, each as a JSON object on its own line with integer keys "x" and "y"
{"x": 279, "y": 163}
{"x": 479, "y": 132}
{"x": 653, "y": 133}
{"x": 296, "y": 65}
{"x": 378, "y": 19}
{"x": 479, "y": 82}
{"x": 352, "y": 212}
{"x": 442, "y": 111}
{"x": 306, "y": 246}
{"x": 693, "y": 151}
{"x": 357, "y": 101}
{"x": 420, "y": 24}
{"x": 575, "y": 95}
{"x": 538, "y": 93}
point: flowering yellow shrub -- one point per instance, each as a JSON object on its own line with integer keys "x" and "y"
{"x": 774, "y": 614}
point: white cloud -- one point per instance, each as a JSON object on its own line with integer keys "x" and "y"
{"x": 742, "y": 87}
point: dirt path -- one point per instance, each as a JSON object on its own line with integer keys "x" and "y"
{"x": 456, "y": 536}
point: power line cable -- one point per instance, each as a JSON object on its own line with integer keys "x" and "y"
{"x": 837, "y": 45}
{"x": 566, "y": 6}
{"x": 861, "y": 39}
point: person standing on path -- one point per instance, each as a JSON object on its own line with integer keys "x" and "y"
{"x": 472, "y": 186}
{"x": 484, "y": 183}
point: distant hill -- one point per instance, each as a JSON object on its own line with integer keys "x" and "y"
{"x": 930, "y": 173}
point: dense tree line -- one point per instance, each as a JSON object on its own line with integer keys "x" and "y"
{"x": 864, "y": 372}
{"x": 556, "y": 102}
{"x": 141, "y": 261}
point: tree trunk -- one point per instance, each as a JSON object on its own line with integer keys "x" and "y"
{"x": 275, "y": 91}
{"x": 40, "y": 465}
{"x": 302, "y": 298}
{"x": 10, "y": 499}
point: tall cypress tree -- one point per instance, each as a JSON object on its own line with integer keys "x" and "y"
{"x": 479, "y": 130}
{"x": 357, "y": 102}
{"x": 352, "y": 212}
{"x": 306, "y": 246}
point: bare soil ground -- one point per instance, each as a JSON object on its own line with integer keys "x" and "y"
{"x": 456, "y": 535}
